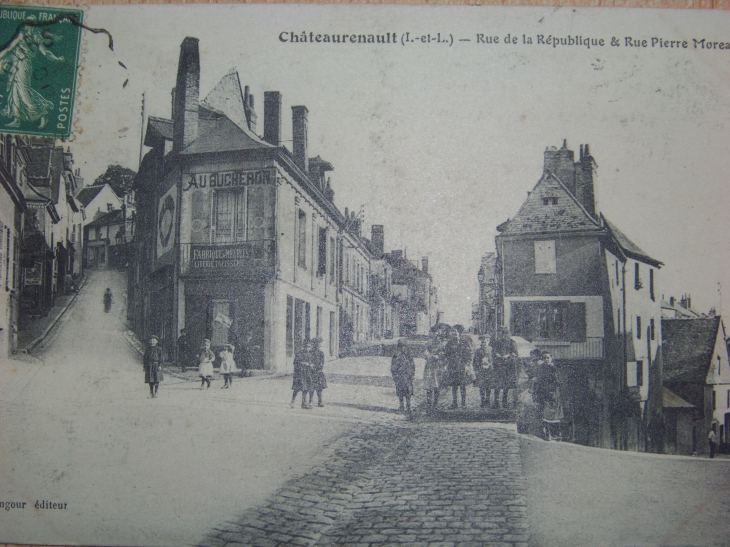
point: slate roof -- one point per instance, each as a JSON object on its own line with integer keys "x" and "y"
{"x": 113, "y": 217}
{"x": 629, "y": 248}
{"x": 157, "y": 128}
{"x": 39, "y": 162}
{"x": 87, "y": 194}
{"x": 687, "y": 349}
{"x": 216, "y": 133}
{"x": 534, "y": 217}
{"x": 672, "y": 400}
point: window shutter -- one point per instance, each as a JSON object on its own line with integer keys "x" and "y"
{"x": 577, "y": 322}
{"x": 513, "y": 318}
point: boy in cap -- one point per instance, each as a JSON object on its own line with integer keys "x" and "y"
{"x": 152, "y": 362}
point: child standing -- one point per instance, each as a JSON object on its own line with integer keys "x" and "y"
{"x": 205, "y": 364}
{"x": 228, "y": 365}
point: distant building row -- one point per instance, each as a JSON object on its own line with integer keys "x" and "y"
{"x": 238, "y": 239}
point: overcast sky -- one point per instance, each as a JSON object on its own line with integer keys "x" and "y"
{"x": 441, "y": 143}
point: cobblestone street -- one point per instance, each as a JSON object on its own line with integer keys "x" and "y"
{"x": 405, "y": 483}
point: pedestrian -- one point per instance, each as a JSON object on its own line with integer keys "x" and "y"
{"x": 431, "y": 376}
{"x": 403, "y": 370}
{"x": 205, "y": 364}
{"x": 482, "y": 364}
{"x": 458, "y": 356}
{"x": 302, "y": 378}
{"x": 152, "y": 362}
{"x": 228, "y": 365}
{"x": 108, "y": 300}
{"x": 184, "y": 350}
{"x": 712, "y": 439}
{"x": 504, "y": 355}
{"x": 547, "y": 396}
{"x": 319, "y": 381}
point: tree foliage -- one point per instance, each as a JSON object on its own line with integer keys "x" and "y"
{"x": 118, "y": 177}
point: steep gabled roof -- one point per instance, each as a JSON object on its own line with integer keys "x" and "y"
{"x": 113, "y": 217}
{"x": 672, "y": 400}
{"x": 87, "y": 194}
{"x": 536, "y": 217}
{"x": 157, "y": 128}
{"x": 227, "y": 98}
{"x": 687, "y": 349}
{"x": 628, "y": 247}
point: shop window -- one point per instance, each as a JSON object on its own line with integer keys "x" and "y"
{"x": 545, "y": 257}
{"x": 322, "y": 252}
{"x": 302, "y": 239}
{"x": 560, "y": 320}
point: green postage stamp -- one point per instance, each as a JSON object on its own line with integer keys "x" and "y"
{"x": 39, "y": 57}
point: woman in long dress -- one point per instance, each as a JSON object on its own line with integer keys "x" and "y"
{"x": 403, "y": 370}
{"x": 17, "y": 62}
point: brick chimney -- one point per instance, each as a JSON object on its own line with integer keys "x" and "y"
{"x": 377, "y": 236}
{"x": 299, "y": 134}
{"x": 272, "y": 117}
{"x": 187, "y": 91}
{"x": 561, "y": 163}
{"x": 584, "y": 180}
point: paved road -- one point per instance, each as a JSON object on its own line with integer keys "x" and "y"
{"x": 415, "y": 484}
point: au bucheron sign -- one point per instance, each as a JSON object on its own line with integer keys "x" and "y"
{"x": 230, "y": 179}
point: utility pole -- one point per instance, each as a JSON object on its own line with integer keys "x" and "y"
{"x": 141, "y": 134}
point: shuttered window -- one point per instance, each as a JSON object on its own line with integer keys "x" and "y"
{"x": 556, "y": 320}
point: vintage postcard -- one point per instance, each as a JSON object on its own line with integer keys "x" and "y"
{"x": 364, "y": 275}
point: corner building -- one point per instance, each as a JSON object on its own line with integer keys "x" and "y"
{"x": 237, "y": 238}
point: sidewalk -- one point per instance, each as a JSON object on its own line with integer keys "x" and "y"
{"x": 33, "y": 334}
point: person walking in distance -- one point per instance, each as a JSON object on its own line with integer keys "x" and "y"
{"x": 483, "y": 370}
{"x": 152, "y": 362}
{"x": 712, "y": 439}
{"x": 319, "y": 381}
{"x": 403, "y": 370}
{"x": 205, "y": 364}
{"x": 108, "y": 300}
{"x": 302, "y": 377}
{"x": 228, "y": 365}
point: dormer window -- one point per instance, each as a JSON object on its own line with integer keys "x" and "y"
{"x": 550, "y": 201}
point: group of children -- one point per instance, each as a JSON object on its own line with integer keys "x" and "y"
{"x": 205, "y": 365}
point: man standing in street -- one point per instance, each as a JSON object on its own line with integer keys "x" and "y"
{"x": 712, "y": 439}
{"x": 184, "y": 350}
{"x": 482, "y": 364}
{"x": 403, "y": 370}
{"x": 152, "y": 361}
{"x": 504, "y": 353}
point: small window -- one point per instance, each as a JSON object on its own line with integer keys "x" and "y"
{"x": 639, "y": 373}
{"x": 651, "y": 328}
{"x": 651, "y": 285}
{"x": 550, "y": 201}
{"x": 322, "y": 250}
{"x": 638, "y": 327}
{"x": 637, "y": 277}
{"x": 545, "y": 257}
{"x": 302, "y": 240}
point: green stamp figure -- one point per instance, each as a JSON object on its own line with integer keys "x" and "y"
{"x": 39, "y": 55}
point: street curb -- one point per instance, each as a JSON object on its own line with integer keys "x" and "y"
{"x": 31, "y": 346}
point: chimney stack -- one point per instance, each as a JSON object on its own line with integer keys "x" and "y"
{"x": 272, "y": 117}
{"x": 186, "y": 96}
{"x": 584, "y": 181}
{"x": 424, "y": 264}
{"x": 561, "y": 164}
{"x": 299, "y": 134}
{"x": 377, "y": 236}
{"x": 248, "y": 110}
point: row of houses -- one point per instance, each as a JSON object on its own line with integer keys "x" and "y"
{"x": 636, "y": 372}
{"x": 238, "y": 239}
{"x": 46, "y": 214}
